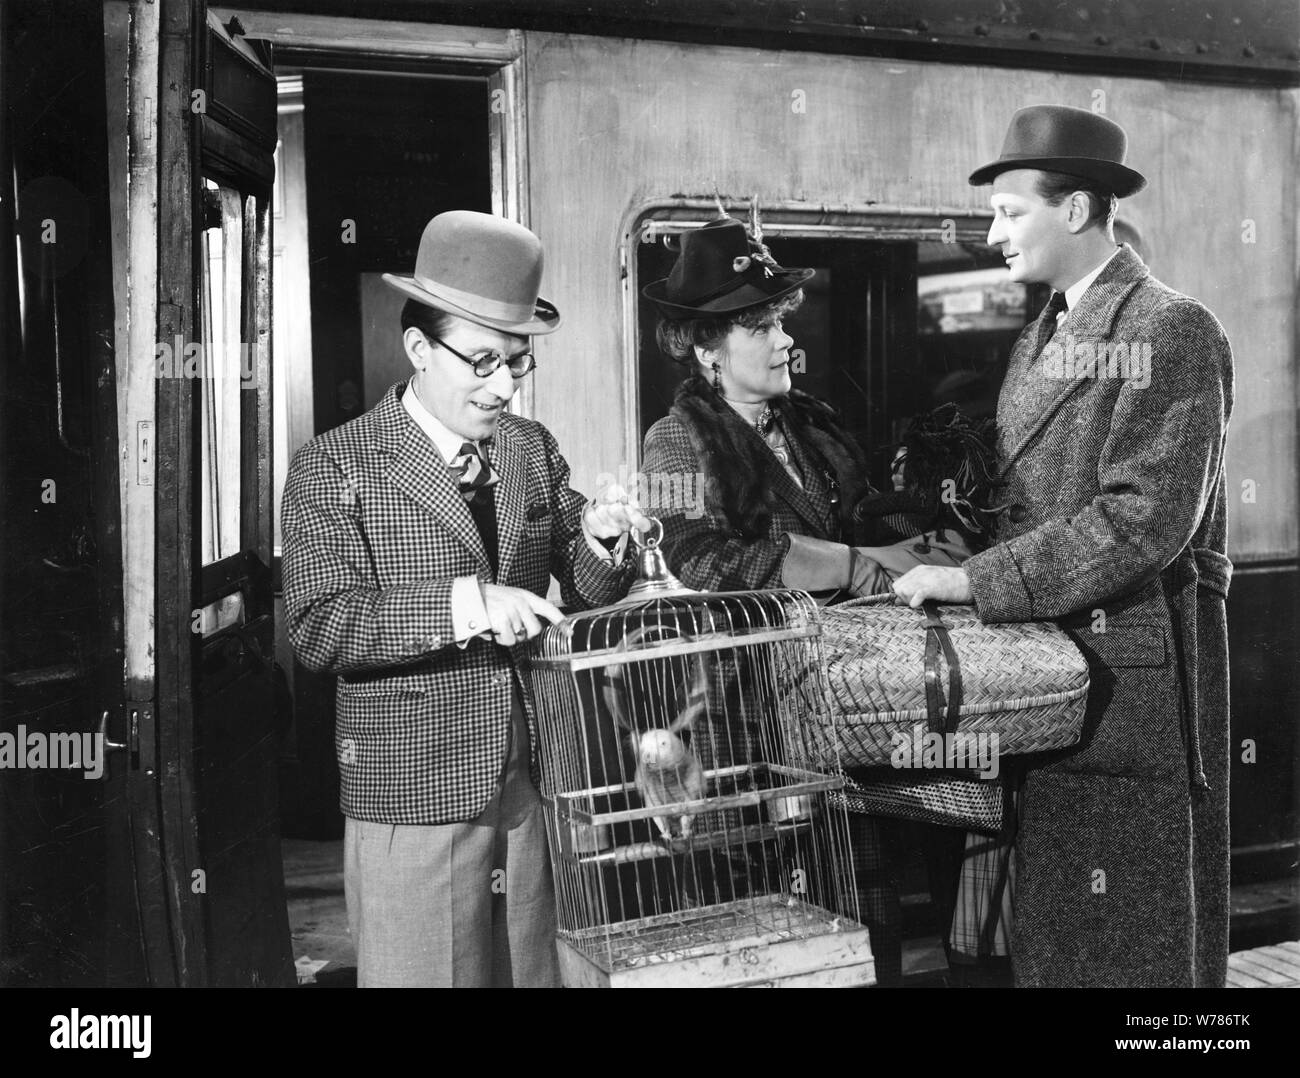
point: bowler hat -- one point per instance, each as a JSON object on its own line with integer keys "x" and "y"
{"x": 481, "y": 268}
{"x": 720, "y": 270}
{"x": 1058, "y": 138}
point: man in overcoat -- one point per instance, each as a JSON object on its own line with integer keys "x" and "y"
{"x": 419, "y": 542}
{"x": 1112, "y": 423}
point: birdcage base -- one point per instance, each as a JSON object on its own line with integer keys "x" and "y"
{"x": 768, "y": 941}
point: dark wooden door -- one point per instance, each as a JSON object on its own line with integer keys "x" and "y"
{"x": 71, "y": 911}
{"x": 218, "y": 734}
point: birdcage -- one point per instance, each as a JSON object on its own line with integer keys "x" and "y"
{"x": 686, "y": 787}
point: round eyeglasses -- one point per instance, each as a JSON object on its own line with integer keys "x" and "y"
{"x": 487, "y": 363}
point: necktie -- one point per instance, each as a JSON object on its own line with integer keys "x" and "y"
{"x": 473, "y": 473}
{"x": 1047, "y": 325}
{"x": 476, "y": 478}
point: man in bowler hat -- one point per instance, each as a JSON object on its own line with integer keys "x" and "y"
{"x": 419, "y": 541}
{"x": 1114, "y": 525}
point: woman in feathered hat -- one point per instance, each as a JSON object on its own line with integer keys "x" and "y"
{"x": 785, "y": 490}
{"x": 780, "y": 473}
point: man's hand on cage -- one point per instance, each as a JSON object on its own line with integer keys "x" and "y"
{"x": 613, "y": 512}
{"x": 942, "y": 583}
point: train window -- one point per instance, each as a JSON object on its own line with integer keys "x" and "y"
{"x": 901, "y": 316}
{"x": 225, "y": 366}
{"x": 969, "y": 313}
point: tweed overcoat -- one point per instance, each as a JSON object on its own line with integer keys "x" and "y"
{"x": 1114, "y": 524}
{"x": 375, "y": 532}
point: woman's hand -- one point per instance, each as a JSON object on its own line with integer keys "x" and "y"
{"x": 941, "y": 583}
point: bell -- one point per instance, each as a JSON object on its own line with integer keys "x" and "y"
{"x": 654, "y": 579}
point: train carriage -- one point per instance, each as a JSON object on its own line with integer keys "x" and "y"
{"x": 200, "y": 200}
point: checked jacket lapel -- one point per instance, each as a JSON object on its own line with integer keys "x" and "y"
{"x": 416, "y": 468}
{"x": 505, "y": 456}
{"x": 785, "y": 488}
{"x": 814, "y": 495}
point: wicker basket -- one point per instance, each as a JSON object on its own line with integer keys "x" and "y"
{"x": 1026, "y": 682}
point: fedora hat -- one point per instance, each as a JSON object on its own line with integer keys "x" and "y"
{"x": 1058, "y": 138}
{"x": 482, "y": 268}
{"x": 720, "y": 270}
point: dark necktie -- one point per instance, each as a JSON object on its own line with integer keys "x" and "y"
{"x": 475, "y": 478}
{"x": 473, "y": 473}
{"x": 1055, "y": 306}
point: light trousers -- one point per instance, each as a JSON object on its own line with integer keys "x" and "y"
{"x": 456, "y": 905}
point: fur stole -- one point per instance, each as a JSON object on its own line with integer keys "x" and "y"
{"x": 735, "y": 460}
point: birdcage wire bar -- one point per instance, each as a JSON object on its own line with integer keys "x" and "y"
{"x": 753, "y": 854}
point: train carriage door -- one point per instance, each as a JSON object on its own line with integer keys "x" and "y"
{"x": 217, "y": 728}
{"x": 68, "y": 910}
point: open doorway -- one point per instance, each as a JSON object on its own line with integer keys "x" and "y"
{"x": 365, "y": 159}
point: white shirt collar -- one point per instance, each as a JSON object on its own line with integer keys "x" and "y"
{"x": 447, "y": 442}
{"x": 1075, "y": 292}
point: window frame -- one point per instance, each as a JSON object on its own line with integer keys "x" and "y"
{"x": 651, "y": 220}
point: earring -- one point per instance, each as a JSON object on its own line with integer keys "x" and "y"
{"x": 717, "y": 378}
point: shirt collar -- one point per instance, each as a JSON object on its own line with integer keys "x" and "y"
{"x": 1075, "y": 292}
{"x": 447, "y": 442}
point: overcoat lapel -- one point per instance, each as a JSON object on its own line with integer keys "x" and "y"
{"x": 507, "y": 458}
{"x": 1034, "y": 397}
{"x": 417, "y": 469}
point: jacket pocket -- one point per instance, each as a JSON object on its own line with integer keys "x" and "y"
{"x": 396, "y": 687}
{"x": 1123, "y": 646}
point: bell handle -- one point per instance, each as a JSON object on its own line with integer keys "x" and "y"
{"x": 656, "y": 532}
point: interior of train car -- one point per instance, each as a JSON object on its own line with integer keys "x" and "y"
{"x": 231, "y": 181}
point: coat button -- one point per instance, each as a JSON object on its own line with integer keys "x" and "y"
{"x": 1017, "y": 513}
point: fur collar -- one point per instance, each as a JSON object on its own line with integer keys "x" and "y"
{"x": 736, "y": 462}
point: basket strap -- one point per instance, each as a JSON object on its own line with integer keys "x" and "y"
{"x": 937, "y": 637}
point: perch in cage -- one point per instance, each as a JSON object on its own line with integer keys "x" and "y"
{"x": 686, "y": 786}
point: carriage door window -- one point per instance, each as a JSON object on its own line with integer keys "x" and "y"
{"x": 905, "y": 313}
{"x": 223, "y": 365}
{"x": 969, "y": 313}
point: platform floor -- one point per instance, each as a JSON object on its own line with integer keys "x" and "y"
{"x": 1277, "y": 966}
{"x": 323, "y": 952}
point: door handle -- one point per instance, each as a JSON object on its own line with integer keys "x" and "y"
{"x": 109, "y": 744}
{"x": 132, "y": 742}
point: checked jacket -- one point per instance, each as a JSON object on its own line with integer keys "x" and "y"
{"x": 375, "y": 532}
